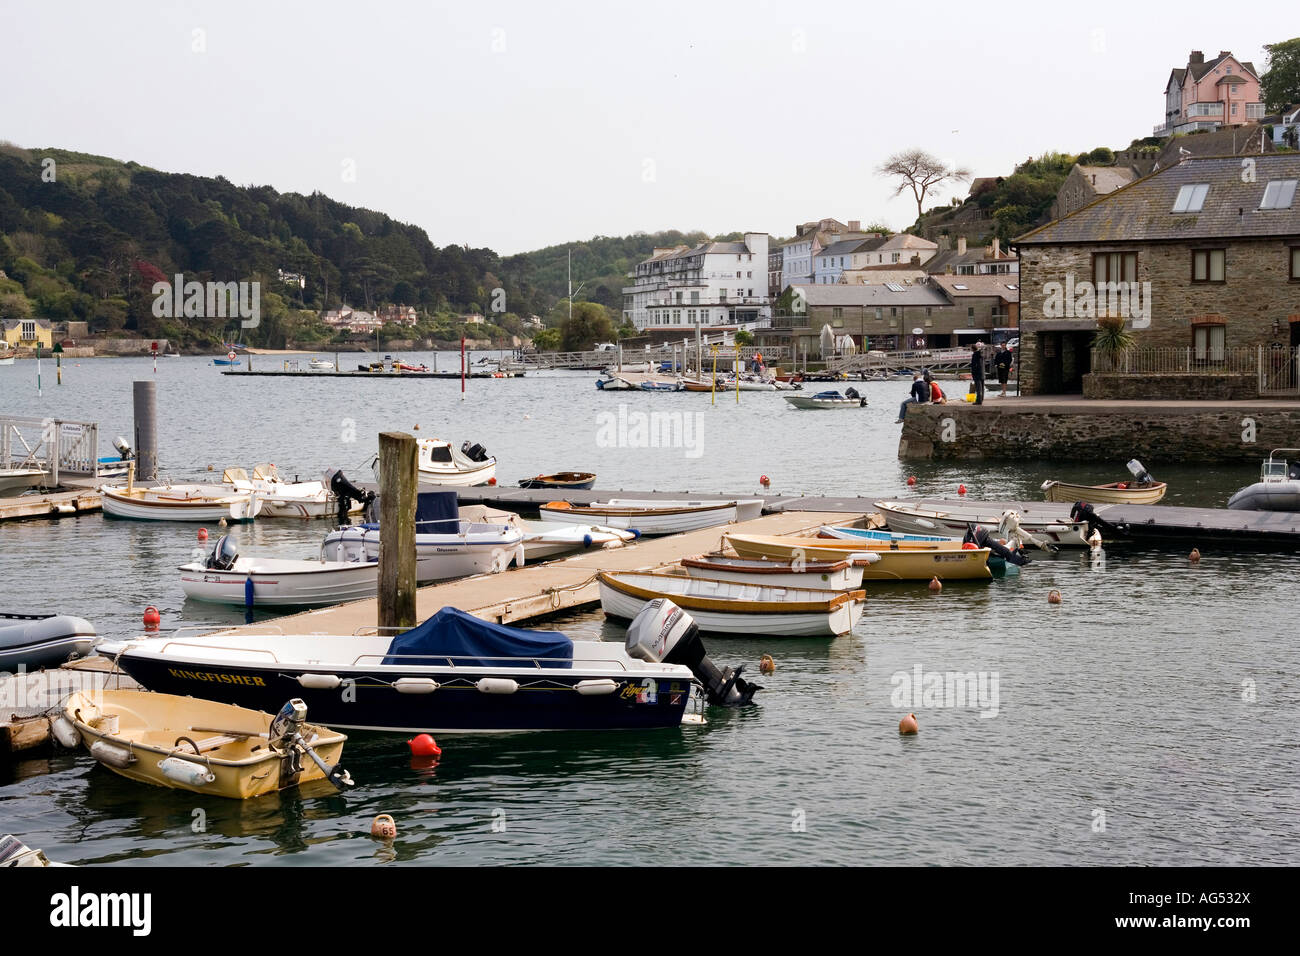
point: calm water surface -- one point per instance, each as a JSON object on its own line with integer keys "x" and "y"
{"x": 1150, "y": 718}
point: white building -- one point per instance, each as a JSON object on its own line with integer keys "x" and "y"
{"x": 851, "y": 252}
{"x": 810, "y": 238}
{"x": 712, "y": 284}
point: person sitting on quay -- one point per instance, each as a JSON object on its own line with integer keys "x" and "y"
{"x": 937, "y": 397}
{"x": 920, "y": 396}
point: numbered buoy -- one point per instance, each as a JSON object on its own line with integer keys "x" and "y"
{"x": 766, "y": 665}
{"x": 151, "y": 618}
{"x": 1054, "y": 597}
{"x": 384, "y": 827}
{"x": 936, "y": 585}
{"x": 908, "y": 725}
{"x": 423, "y": 745}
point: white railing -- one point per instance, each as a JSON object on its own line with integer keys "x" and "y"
{"x": 49, "y": 444}
{"x": 1168, "y": 360}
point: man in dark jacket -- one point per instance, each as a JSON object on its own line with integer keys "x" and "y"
{"x": 920, "y": 396}
{"x": 1002, "y": 362}
{"x": 977, "y": 371}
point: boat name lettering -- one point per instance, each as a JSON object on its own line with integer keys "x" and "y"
{"x": 217, "y": 678}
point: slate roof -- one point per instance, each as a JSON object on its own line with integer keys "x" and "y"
{"x": 1104, "y": 179}
{"x": 1226, "y": 141}
{"x": 1007, "y": 287}
{"x": 844, "y": 247}
{"x": 872, "y": 296}
{"x": 1142, "y": 211}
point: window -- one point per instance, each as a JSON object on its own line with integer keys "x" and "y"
{"x": 1191, "y": 198}
{"x": 1114, "y": 267}
{"x": 749, "y": 275}
{"x": 1208, "y": 342}
{"x": 1278, "y": 194}
{"x": 1234, "y": 105}
{"x": 970, "y": 312}
{"x": 722, "y": 295}
{"x": 737, "y": 273}
{"x": 893, "y": 312}
{"x": 29, "y": 330}
{"x": 837, "y": 313}
{"x": 880, "y": 313}
{"x": 1207, "y": 265}
{"x": 695, "y": 298}
{"x": 893, "y": 257}
{"x": 677, "y": 316}
{"x": 1295, "y": 263}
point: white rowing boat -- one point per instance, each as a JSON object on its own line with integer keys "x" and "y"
{"x": 545, "y": 539}
{"x": 734, "y": 607}
{"x": 654, "y": 517}
{"x": 1051, "y": 523}
{"x": 194, "y": 502}
{"x": 812, "y": 575}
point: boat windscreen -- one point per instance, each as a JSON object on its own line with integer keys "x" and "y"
{"x": 455, "y": 637}
{"x": 440, "y": 453}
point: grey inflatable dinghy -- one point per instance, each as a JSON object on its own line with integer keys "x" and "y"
{"x": 1278, "y": 488}
{"x": 42, "y": 640}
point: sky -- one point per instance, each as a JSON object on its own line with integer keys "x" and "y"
{"x": 517, "y": 125}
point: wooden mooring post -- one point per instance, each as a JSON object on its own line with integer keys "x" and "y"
{"x": 397, "y": 489}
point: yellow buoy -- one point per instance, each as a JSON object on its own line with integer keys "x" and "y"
{"x": 384, "y": 827}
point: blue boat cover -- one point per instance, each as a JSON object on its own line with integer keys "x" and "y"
{"x": 473, "y": 642}
{"x": 828, "y": 395}
{"x": 436, "y": 512}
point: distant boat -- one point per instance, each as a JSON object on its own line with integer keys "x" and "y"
{"x": 322, "y": 365}
{"x": 614, "y": 384}
{"x": 7, "y": 357}
{"x": 851, "y": 399}
{"x": 441, "y": 464}
{"x": 225, "y": 362}
{"x": 204, "y": 503}
{"x": 582, "y": 480}
{"x": 654, "y": 517}
{"x": 661, "y": 386}
{"x": 1278, "y": 488}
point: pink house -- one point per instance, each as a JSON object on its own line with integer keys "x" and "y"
{"x": 1207, "y": 95}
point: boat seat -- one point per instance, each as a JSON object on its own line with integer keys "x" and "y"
{"x": 206, "y": 744}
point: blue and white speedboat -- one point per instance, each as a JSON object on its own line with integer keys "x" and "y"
{"x": 452, "y": 673}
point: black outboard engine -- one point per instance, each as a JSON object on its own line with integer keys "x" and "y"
{"x": 980, "y": 537}
{"x": 853, "y": 393}
{"x": 662, "y": 633}
{"x": 224, "y": 554}
{"x": 1141, "y": 474}
{"x": 1082, "y": 511}
{"x": 346, "y": 492}
{"x": 474, "y": 451}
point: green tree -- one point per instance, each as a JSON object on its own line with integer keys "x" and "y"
{"x": 744, "y": 337}
{"x": 1280, "y": 82}
{"x": 588, "y": 325}
{"x": 548, "y": 340}
{"x": 1101, "y": 156}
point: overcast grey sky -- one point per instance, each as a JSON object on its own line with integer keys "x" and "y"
{"x": 516, "y": 125}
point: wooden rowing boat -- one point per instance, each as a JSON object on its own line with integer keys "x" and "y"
{"x": 810, "y": 575}
{"x": 1115, "y": 493}
{"x": 561, "y": 479}
{"x": 653, "y": 517}
{"x": 945, "y": 563}
{"x": 734, "y": 607}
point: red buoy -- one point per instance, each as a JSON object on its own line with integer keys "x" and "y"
{"x": 151, "y": 618}
{"x": 907, "y": 725}
{"x": 969, "y": 546}
{"x": 911, "y": 480}
{"x": 203, "y": 534}
{"x": 492, "y": 481}
{"x": 961, "y": 489}
{"x": 423, "y": 745}
{"x": 764, "y": 480}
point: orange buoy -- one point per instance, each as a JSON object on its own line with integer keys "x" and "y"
{"x": 210, "y": 468}
{"x": 151, "y": 618}
{"x": 961, "y": 489}
{"x": 936, "y": 585}
{"x": 911, "y": 479}
{"x": 1195, "y": 555}
{"x": 1054, "y": 597}
{"x": 766, "y": 665}
{"x": 423, "y": 745}
{"x": 203, "y": 534}
{"x": 969, "y": 546}
{"x": 415, "y": 428}
{"x": 908, "y": 725}
{"x": 384, "y": 827}
{"x": 492, "y": 481}
{"x": 1122, "y": 485}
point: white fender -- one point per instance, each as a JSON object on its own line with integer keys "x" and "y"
{"x": 185, "y": 771}
{"x": 497, "y": 685}
{"x": 596, "y": 688}
{"x": 112, "y": 754}
{"x": 416, "y": 685}
{"x": 319, "y": 681}
{"x": 65, "y": 732}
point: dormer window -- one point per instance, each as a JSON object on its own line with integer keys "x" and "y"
{"x": 1278, "y": 194}
{"x": 1191, "y": 198}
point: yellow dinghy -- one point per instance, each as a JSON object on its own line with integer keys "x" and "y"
{"x": 946, "y": 560}
{"x": 205, "y": 747}
{"x": 1115, "y": 493}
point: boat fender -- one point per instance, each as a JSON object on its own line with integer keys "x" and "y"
{"x": 183, "y": 771}
{"x": 65, "y": 732}
{"x": 596, "y": 688}
{"x": 497, "y": 685}
{"x": 586, "y": 541}
{"x": 112, "y": 754}
{"x": 636, "y": 533}
{"x": 248, "y": 591}
{"x": 319, "y": 681}
{"x": 924, "y": 522}
{"x": 416, "y": 685}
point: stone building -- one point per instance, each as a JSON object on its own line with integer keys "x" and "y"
{"x": 1201, "y": 255}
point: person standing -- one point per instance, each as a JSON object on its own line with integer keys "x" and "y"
{"x": 920, "y": 395}
{"x": 1002, "y": 365}
{"x": 977, "y": 371}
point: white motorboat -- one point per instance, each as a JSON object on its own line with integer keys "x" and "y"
{"x": 1278, "y": 488}
{"x": 614, "y": 384}
{"x": 654, "y": 517}
{"x": 473, "y": 548}
{"x": 453, "y": 673}
{"x": 1048, "y": 523}
{"x": 226, "y": 578}
{"x": 734, "y": 607}
{"x": 191, "y": 502}
{"x": 440, "y": 464}
{"x": 814, "y": 575}
{"x": 831, "y": 399}
{"x": 42, "y": 640}
{"x": 14, "y": 481}
{"x": 746, "y": 385}
{"x": 322, "y": 365}
{"x": 545, "y": 539}
{"x": 287, "y": 499}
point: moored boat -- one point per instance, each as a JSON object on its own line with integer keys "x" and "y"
{"x": 1142, "y": 490}
{"x": 734, "y": 607}
{"x": 811, "y": 575}
{"x": 33, "y": 641}
{"x": 654, "y": 517}
{"x": 225, "y": 577}
{"x": 832, "y": 399}
{"x": 546, "y": 539}
{"x": 286, "y": 499}
{"x": 1003, "y": 560}
{"x": 15, "y": 481}
{"x": 1278, "y": 488}
{"x": 439, "y": 463}
{"x": 1053, "y": 525}
{"x": 192, "y": 502}
{"x": 581, "y": 480}
{"x": 187, "y": 743}
{"x": 902, "y": 565}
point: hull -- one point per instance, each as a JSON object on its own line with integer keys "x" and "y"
{"x": 438, "y": 557}
{"x": 878, "y": 538}
{"x": 15, "y": 481}
{"x": 179, "y": 504}
{"x": 33, "y": 641}
{"x": 648, "y": 521}
{"x": 1103, "y": 494}
{"x": 281, "y": 583}
{"x": 148, "y": 726}
{"x": 841, "y": 576}
{"x": 1267, "y": 496}
{"x": 614, "y": 385}
{"x": 808, "y": 402}
{"x": 902, "y": 565}
{"x": 643, "y": 696}
{"x": 580, "y": 480}
{"x": 766, "y": 615}
{"x": 952, "y": 522}
{"x": 459, "y": 479}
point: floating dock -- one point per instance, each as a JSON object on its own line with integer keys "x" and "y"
{"x": 51, "y": 504}
{"x": 27, "y": 700}
{"x": 304, "y": 373}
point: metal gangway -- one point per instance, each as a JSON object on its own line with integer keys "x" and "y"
{"x": 52, "y": 445}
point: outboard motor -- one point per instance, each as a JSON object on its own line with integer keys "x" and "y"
{"x": 980, "y": 537}
{"x": 1082, "y": 511}
{"x": 346, "y": 492}
{"x": 1140, "y": 473}
{"x": 662, "y": 633}
{"x": 123, "y": 447}
{"x": 853, "y": 393}
{"x": 474, "y": 451}
{"x": 224, "y": 554}
{"x": 285, "y": 736}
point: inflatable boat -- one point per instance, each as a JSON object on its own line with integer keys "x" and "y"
{"x": 42, "y": 640}
{"x": 1278, "y": 488}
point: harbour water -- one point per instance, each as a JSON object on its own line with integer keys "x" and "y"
{"x": 1147, "y": 719}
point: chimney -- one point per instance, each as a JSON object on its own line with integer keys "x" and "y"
{"x": 1223, "y": 53}
{"x": 1196, "y": 58}
{"x": 997, "y": 248}
{"x": 855, "y": 225}
{"x": 961, "y": 245}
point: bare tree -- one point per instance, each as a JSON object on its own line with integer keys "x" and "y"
{"x": 917, "y": 169}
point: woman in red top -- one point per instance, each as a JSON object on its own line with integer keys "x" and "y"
{"x": 936, "y": 394}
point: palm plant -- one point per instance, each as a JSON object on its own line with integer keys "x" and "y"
{"x": 1112, "y": 339}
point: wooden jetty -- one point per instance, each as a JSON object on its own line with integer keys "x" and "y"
{"x": 28, "y": 700}
{"x": 305, "y": 374}
{"x": 75, "y": 499}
